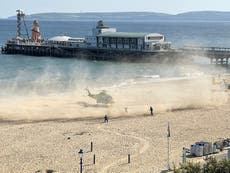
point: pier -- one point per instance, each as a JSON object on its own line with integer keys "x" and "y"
{"x": 33, "y": 49}
{"x": 217, "y": 55}
{"x": 105, "y": 43}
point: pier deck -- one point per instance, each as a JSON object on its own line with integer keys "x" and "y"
{"x": 89, "y": 53}
{"x": 217, "y": 55}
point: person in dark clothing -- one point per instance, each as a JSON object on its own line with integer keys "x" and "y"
{"x": 106, "y": 119}
{"x": 151, "y": 110}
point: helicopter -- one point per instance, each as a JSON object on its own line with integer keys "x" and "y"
{"x": 101, "y": 97}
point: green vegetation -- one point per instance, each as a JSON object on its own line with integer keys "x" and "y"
{"x": 211, "y": 166}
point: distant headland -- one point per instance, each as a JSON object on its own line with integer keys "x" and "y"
{"x": 128, "y": 16}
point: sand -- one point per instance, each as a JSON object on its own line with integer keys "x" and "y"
{"x": 46, "y": 132}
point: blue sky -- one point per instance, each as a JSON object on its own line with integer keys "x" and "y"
{"x": 9, "y": 7}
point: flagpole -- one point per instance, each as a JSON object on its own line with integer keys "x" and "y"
{"x": 168, "y": 164}
{"x": 168, "y": 137}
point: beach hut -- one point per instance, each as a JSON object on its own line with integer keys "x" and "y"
{"x": 196, "y": 150}
{"x": 205, "y": 147}
{"x": 210, "y": 147}
{"x": 193, "y": 150}
{"x": 199, "y": 150}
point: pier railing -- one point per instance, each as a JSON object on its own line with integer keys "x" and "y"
{"x": 215, "y": 49}
{"x": 217, "y": 55}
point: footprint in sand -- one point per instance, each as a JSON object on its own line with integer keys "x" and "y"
{"x": 144, "y": 143}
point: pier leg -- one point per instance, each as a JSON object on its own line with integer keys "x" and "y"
{"x": 211, "y": 60}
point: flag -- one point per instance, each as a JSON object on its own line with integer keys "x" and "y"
{"x": 168, "y": 135}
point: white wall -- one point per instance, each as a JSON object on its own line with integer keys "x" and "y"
{"x": 96, "y": 31}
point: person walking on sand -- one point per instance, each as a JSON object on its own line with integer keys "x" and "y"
{"x": 106, "y": 119}
{"x": 151, "y": 110}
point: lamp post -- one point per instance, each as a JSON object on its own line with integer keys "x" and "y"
{"x": 80, "y": 155}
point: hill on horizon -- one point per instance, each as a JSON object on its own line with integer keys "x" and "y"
{"x": 126, "y": 16}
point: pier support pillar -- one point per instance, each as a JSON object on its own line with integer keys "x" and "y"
{"x": 211, "y": 60}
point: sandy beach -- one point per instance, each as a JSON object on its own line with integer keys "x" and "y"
{"x": 41, "y": 133}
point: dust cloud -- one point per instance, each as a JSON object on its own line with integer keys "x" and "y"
{"x": 49, "y": 97}
{"x": 130, "y": 100}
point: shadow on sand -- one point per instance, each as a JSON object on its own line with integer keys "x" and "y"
{"x": 84, "y": 104}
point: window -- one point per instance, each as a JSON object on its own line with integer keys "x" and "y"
{"x": 133, "y": 41}
{"x": 126, "y": 41}
{"x": 113, "y": 40}
{"x": 105, "y": 40}
{"x": 119, "y": 40}
{"x": 155, "y": 38}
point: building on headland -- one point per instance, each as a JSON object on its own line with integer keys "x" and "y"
{"x": 104, "y": 43}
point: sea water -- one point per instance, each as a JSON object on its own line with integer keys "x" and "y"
{"x": 20, "y": 75}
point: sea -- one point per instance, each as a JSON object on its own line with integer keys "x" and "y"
{"x": 21, "y": 75}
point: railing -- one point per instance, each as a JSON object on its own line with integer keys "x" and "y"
{"x": 213, "y": 49}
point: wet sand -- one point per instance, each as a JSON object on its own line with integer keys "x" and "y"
{"x": 41, "y": 133}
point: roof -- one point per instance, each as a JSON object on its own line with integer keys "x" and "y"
{"x": 101, "y": 24}
{"x": 127, "y": 34}
{"x": 59, "y": 38}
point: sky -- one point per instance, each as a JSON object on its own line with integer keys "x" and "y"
{"x": 8, "y": 8}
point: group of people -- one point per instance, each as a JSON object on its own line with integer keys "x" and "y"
{"x": 106, "y": 118}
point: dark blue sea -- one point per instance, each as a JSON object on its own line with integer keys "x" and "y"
{"x": 21, "y": 74}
